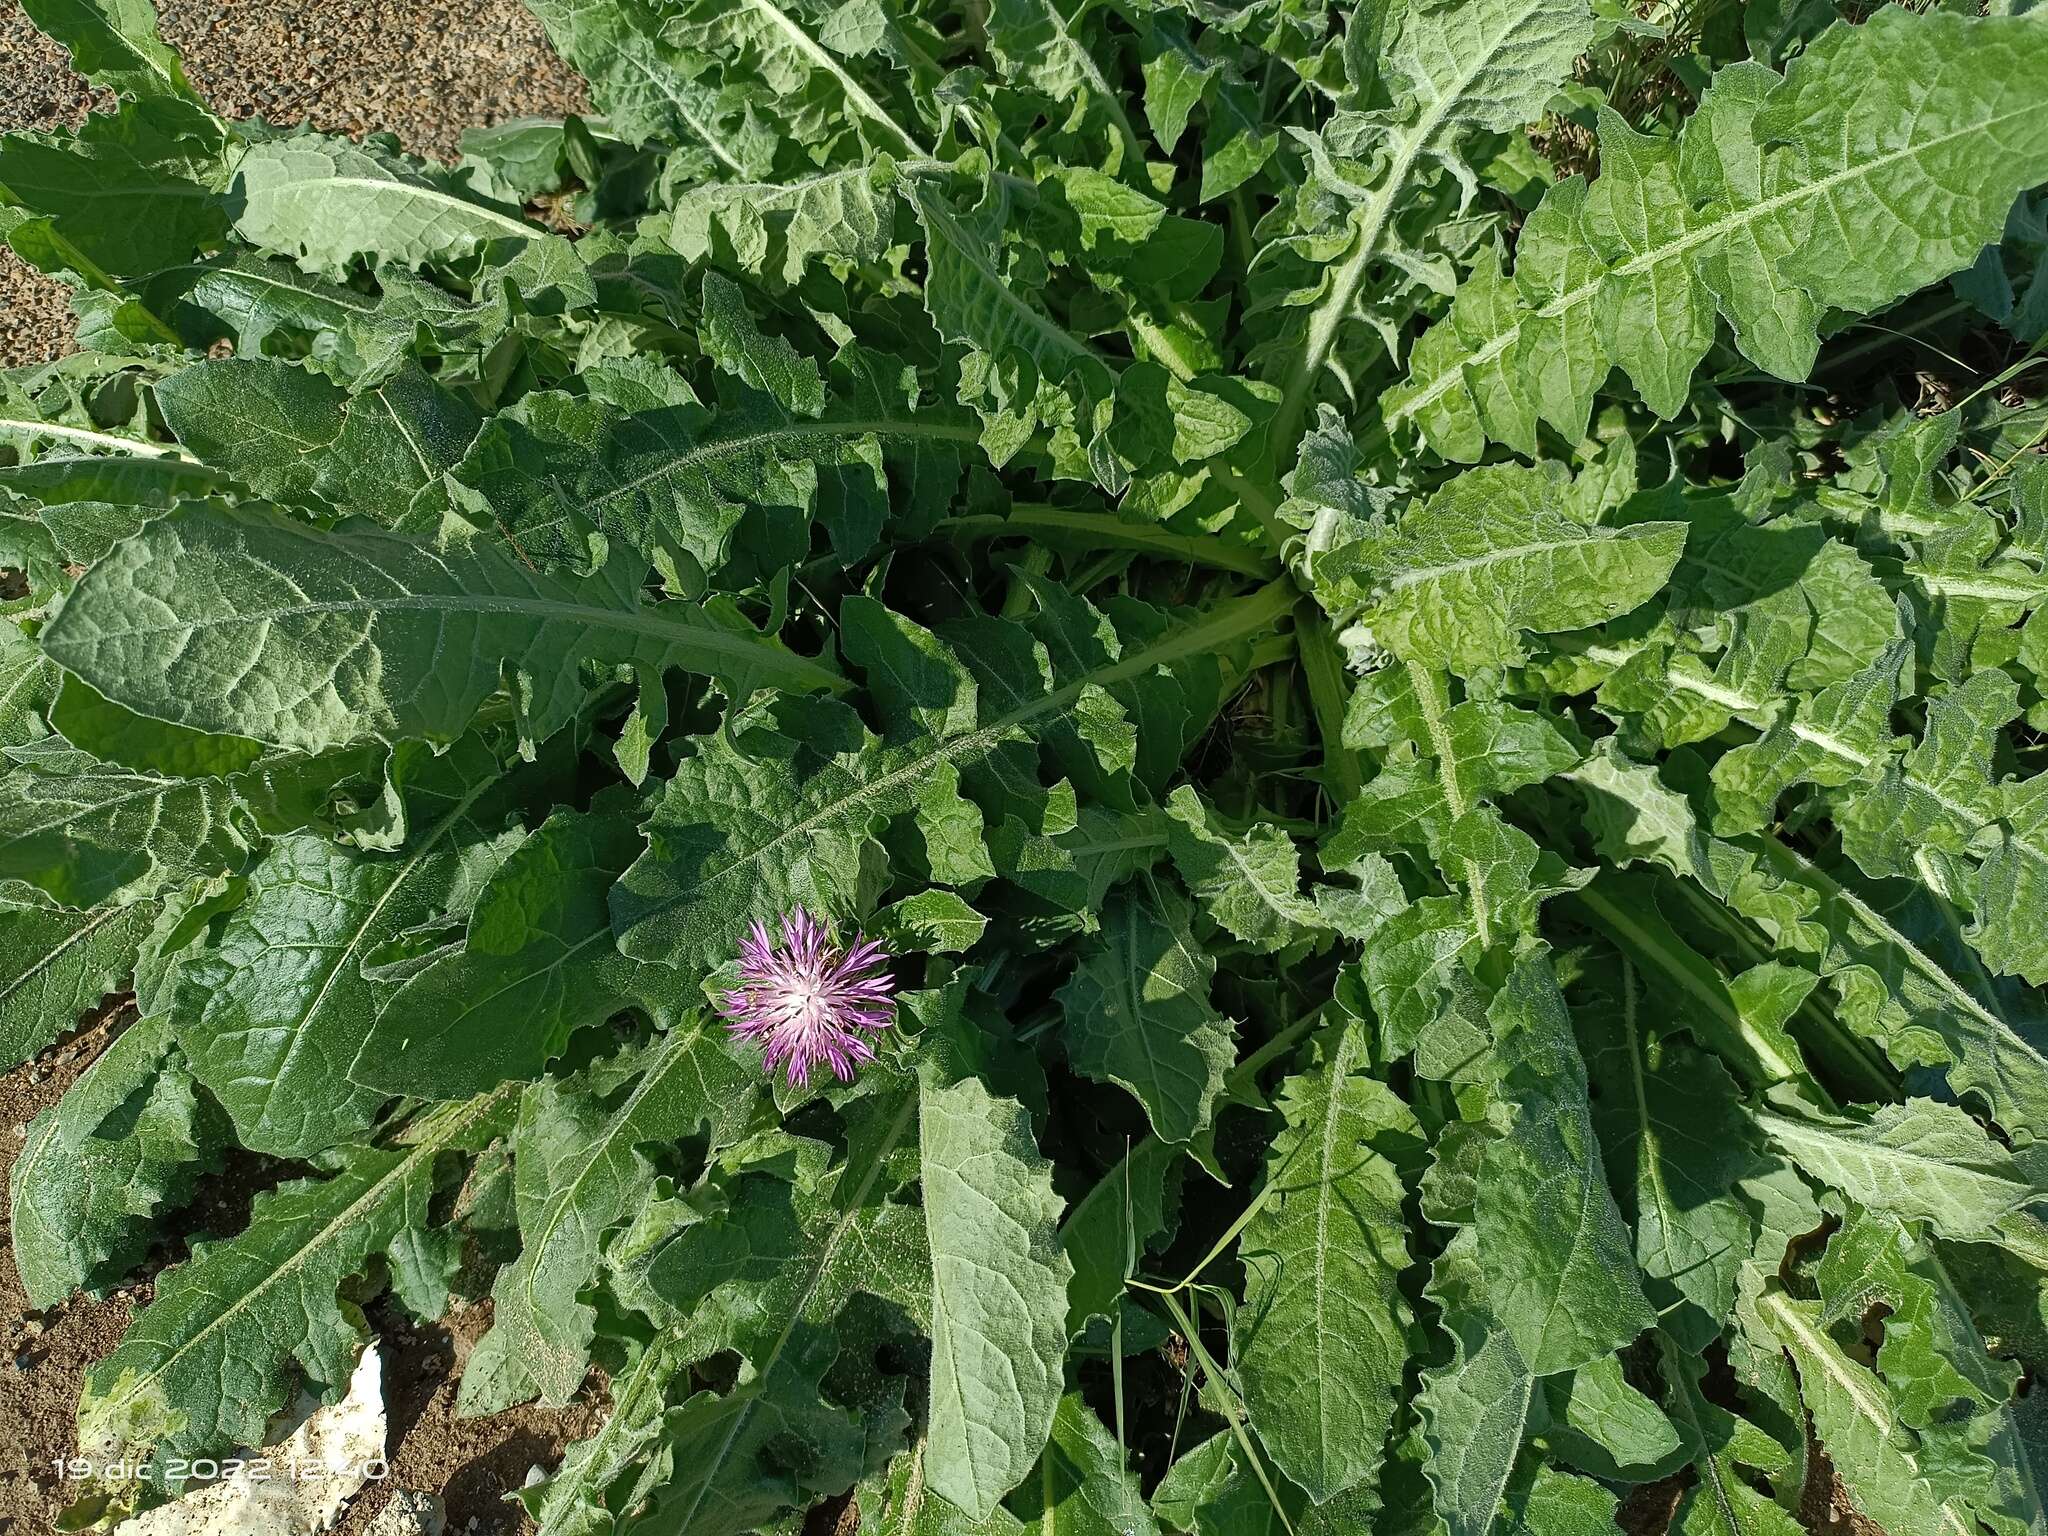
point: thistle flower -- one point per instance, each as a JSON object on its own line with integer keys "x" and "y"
{"x": 808, "y": 999}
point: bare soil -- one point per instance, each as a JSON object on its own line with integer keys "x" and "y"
{"x": 1824, "y": 1504}
{"x": 472, "y": 1464}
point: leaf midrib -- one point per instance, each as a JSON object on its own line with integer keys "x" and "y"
{"x": 1651, "y": 1171}
{"x": 652, "y": 1371}
{"x": 1326, "y": 1195}
{"x": 31, "y": 426}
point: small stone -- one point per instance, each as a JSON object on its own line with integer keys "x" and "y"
{"x": 409, "y": 1514}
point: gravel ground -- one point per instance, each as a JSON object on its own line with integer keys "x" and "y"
{"x": 423, "y": 71}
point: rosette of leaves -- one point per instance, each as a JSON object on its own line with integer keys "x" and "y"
{"x": 1419, "y": 629}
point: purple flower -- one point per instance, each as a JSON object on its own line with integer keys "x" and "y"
{"x": 808, "y": 1000}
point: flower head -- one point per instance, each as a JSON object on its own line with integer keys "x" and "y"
{"x": 807, "y": 999}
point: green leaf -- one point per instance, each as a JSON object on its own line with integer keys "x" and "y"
{"x": 1854, "y": 1417}
{"x": 781, "y": 228}
{"x": 1326, "y": 1329}
{"x": 938, "y": 922}
{"x": 98, "y": 1168}
{"x": 1833, "y": 738}
{"x": 57, "y": 963}
{"x": 1931, "y": 1353}
{"x": 124, "y": 739}
{"x": 269, "y": 308}
{"x": 734, "y": 340}
{"x": 905, "y": 1505}
{"x": 537, "y": 963}
{"x": 752, "y": 825}
{"x": 290, "y": 435}
{"x": 779, "y": 813}
{"x": 999, "y": 1294}
{"x": 1129, "y": 1208}
{"x": 1896, "y": 955}
{"x": 1553, "y": 1250}
{"x": 131, "y": 191}
{"x": 1249, "y": 884}
{"x": 647, "y": 88}
{"x": 1491, "y": 556}
{"x": 1083, "y": 1484}
{"x": 1803, "y": 194}
{"x": 2012, "y": 882}
{"x": 1137, "y": 1011}
{"x": 272, "y": 1007}
{"x": 358, "y": 633}
{"x": 736, "y": 490}
{"x": 79, "y": 498}
{"x": 572, "y": 1501}
{"x": 1490, "y": 66}
{"x": 29, "y": 683}
{"x": 1475, "y": 1408}
{"x": 1723, "y": 1502}
{"x": 325, "y": 202}
{"x": 114, "y": 44}
{"x": 85, "y": 833}
{"x": 1676, "y": 1141}
{"x": 1036, "y": 44}
{"x": 1608, "y": 1150}
{"x": 1015, "y": 342}
{"x": 769, "y": 1281}
{"x": 1919, "y": 1161}
{"x": 1604, "y": 1425}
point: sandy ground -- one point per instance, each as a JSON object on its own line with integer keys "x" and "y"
{"x": 424, "y": 71}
